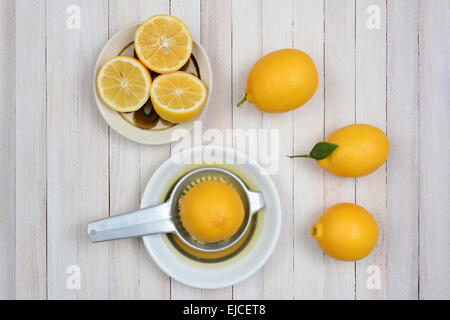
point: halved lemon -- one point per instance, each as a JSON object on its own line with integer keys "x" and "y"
{"x": 163, "y": 43}
{"x": 178, "y": 97}
{"x": 123, "y": 83}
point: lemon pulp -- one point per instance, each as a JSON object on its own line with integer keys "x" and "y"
{"x": 178, "y": 97}
{"x": 123, "y": 83}
{"x": 163, "y": 43}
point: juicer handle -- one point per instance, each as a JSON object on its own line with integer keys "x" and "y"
{"x": 147, "y": 221}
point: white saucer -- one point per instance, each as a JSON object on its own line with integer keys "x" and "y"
{"x": 113, "y": 47}
{"x": 244, "y": 264}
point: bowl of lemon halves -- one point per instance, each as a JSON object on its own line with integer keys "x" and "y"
{"x": 152, "y": 81}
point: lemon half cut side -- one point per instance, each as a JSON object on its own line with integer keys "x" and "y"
{"x": 163, "y": 43}
{"x": 123, "y": 83}
{"x": 178, "y": 97}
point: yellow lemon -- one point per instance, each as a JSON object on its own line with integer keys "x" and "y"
{"x": 123, "y": 83}
{"x": 211, "y": 211}
{"x": 352, "y": 151}
{"x": 281, "y": 81}
{"x": 362, "y": 149}
{"x": 178, "y": 97}
{"x": 346, "y": 231}
{"x": 163, "y": 43}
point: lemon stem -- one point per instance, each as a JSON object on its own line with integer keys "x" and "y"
{"x": 300, "y": 156}
{"x": 320, "y": 151}
{"x": 314, "y": 231}
{"x": 242, "y": 101}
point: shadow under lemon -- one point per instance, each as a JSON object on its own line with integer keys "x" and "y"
{"x": 146, "y": 118}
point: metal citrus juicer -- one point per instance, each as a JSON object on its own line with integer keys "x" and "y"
{"x": 165, "y": 218}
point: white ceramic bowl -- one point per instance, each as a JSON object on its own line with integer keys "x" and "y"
{"x": 256, "y": 252}
{"x": 113, "y": 47}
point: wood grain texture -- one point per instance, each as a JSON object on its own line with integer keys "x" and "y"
{"x": 247, "y": 48}
{"x": 31, "y": 143}
{"x": 434, "y": 150}
{"x": 124, "y": 180}
{"x": 62, "y": 166}
{"x": 339, "y": 111}
{"x": 215, "y": 36}
{"x": 402, "y": 130}
{"x": 370, "y": 90}
{"x": 8, "y": 150}
{"x": 154, "y": 284}
{"x": 309, "y": 266}
{"x": 77, "y": 140}
{"x": 130, "y": 167}
{"x": 278, "y": 272}
{"x": 191, "y": 13}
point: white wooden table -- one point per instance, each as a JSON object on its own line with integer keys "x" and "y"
{"x": 62, "y": 166}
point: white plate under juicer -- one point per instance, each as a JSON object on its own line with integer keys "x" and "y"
{"x": 164, "y": 218}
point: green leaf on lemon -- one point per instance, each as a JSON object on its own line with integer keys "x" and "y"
{"x": 320, "y": 151}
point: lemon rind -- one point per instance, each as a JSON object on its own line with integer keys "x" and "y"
{"x": 147, "y": 77}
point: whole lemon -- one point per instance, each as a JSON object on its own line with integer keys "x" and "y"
{"x": 352, "y": 151}
{"x": 362, "y": 149}
{"x": 212, "y": 211}
{"x": 281, "y": 81}
{"x": 346, "y": 231}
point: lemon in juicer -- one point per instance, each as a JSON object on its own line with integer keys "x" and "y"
{"x": 212, "y": 211}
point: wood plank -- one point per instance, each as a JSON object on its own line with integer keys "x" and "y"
{"x": 77, "y": 140}
{"x": 125, "y": 176}
{"x": 339, "y": 111}
{"x": 215, "y": 36}
{"x": 278, "y": 272}
{"x": 402, "y": 167}
{"x": 31, "y": 147}
{"x": 124, "y": 182}
{"x": 247, "y": 49}
{"x": 133, "y": 274}
{"x": 434, "y": 150}
{"x": 371, "y": 109}
{"x": 190, "y": 13}
{"x": 154, "y": 284}
{"x": 308, "y": 176}
{"x": 8, "y": 147}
